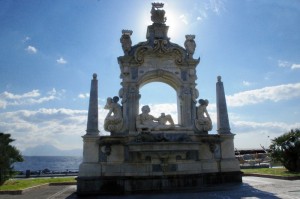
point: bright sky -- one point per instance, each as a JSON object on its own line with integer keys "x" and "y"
{"x": 50, "y": 49}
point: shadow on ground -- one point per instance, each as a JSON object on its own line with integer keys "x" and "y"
{"x": 228, "y": 191}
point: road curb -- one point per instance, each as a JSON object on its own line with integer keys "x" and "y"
{"x": 62, "y": 183}
{"x": 272, "y": 176}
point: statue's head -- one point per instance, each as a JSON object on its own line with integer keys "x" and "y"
{"x": 206, "y": 102}
{"x": 108, "y": 103}
{"x": 109, "y": 100}
{"x": 146, "y": 109}
{"x": 203, "y": 102}
{"x": 115, "y": 99}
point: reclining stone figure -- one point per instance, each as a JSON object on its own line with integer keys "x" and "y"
{"x": 147, "y": 122}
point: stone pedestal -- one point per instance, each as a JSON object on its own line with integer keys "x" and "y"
{"x": 90, "y": 164}
{"x": 126, "y": 165}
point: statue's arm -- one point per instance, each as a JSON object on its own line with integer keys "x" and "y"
{"x": 109, "y": 113}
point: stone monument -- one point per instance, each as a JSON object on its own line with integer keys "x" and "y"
{"x": 145, "y": 153}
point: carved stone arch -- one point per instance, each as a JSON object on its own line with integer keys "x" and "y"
{"x": 158, "y": 60}
{"x": 168, "y": 78}
{"x": 160, "y": 76}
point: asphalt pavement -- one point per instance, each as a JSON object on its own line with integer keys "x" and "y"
{"x": 252, "y": 187}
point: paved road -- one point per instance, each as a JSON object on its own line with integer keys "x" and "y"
{"x": 252, "y": 187}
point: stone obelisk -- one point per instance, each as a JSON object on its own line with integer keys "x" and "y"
{"x": 91, "y": 138}
{"x": 92, "y": 122}
{"x": 222, "y": 114}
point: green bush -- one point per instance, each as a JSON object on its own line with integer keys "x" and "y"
{"x": 8, "y": 155}
{"x": 286, "y": 149}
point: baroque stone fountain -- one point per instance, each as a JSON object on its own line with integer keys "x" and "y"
{"x": 144, "y": 153}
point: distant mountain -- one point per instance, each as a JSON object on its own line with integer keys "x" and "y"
{"x": 50, "y": 150}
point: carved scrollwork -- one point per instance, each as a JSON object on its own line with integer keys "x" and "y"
{"x": 160, "y": 46}
{"x": 179, "y": 56}
{"x": 140, "y": 52}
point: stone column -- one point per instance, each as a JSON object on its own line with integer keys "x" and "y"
{"x": 186, "y": 107}
{"x": 132, "y": 107}
{"x": 222, "y": 114}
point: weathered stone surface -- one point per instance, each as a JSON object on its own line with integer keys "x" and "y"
{"x": 222, "y": 114}
{"x": 147, "y": 153}
{"x": 92, "y": 122}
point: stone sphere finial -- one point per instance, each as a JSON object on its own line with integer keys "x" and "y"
{"x": 219, "y": 78}
{"x": 95, "y": 76}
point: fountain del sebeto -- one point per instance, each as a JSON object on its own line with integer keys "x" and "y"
{"x": 146, "y": 153}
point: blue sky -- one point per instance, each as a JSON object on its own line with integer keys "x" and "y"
{"x": 50, "y": 49}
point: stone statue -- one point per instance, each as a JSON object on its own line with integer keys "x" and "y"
{"x": 164, "y": 119}
{"x": 147, "y": 122}
{"x": 126, "y": 41}
{"x": 158, "y": 16}
{"x": 114, "y": 120}
{"x": 203, "y": 122}
{"x": 190, "y": 45}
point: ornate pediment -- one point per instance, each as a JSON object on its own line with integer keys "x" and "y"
{"x": 159, "y": 48}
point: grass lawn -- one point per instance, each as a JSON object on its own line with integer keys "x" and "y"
{"x": 272, "y": 171}
{"x": 19, "y": 184}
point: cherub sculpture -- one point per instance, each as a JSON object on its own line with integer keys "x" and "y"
{"x": 114, "y": 120}
{"x": 203, "y": 122}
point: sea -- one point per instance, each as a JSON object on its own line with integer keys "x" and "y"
{"x": 52, "y": 163}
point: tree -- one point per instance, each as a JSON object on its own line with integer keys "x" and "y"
{"x": 286, "y": 149}
{"x": 8, "y": 155}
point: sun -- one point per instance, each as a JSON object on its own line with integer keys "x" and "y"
{"x": 174, "y": 19}
{"x": 175, "y": 23}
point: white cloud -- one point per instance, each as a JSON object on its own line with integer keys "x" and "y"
{"x": 287, "y": 64}
{"x": 273, "y": 93}
{"x": 29, "y": 98}
{"x": 246, "y": 83}
{"x": 183, "y": 18}
{"x": 44, "y": 126}
{"x": 31, "y": 49}
{"x": 216, "y": 6}
{"x": 84, "y": 95}
{"x": 26, "y": 39}
{"x": 63, "y": 128}
{"x": 282, "y": 63}
{"x": 61, "y": 60}
{"x": 157, "y": 109}
{"x": 251, "y": 134}
{"x": 295, "y": 66}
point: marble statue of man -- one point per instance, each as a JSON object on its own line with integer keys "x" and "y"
{"x": 147, "y": 122}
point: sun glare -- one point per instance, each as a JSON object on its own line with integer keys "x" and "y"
{"x": 175, "y": 20}
{"x": 176, "y": 24}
